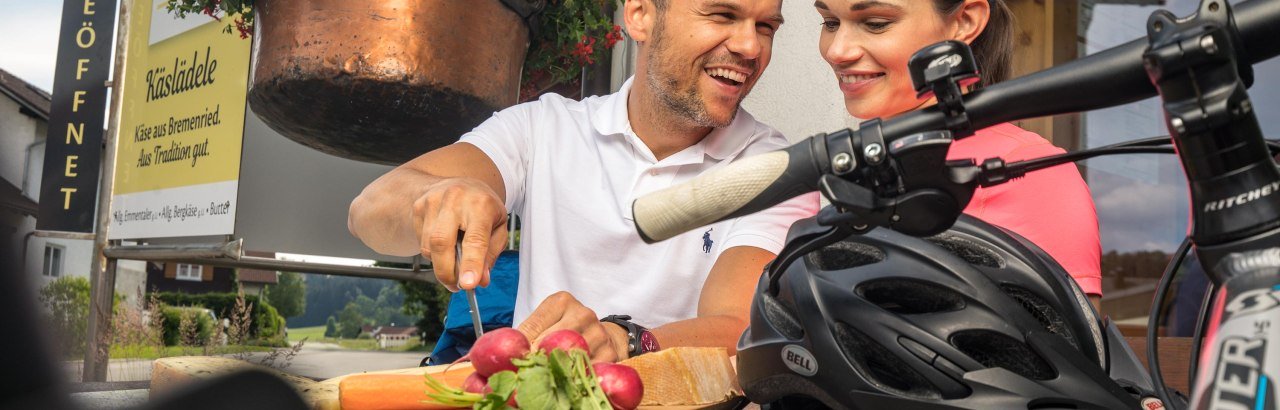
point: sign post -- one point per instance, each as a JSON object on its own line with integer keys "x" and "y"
{"x": 102, "y": 270}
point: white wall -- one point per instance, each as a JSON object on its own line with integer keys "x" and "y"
{"x": 798, "y": 93}
{"x": 77, "y": 257}
{"x": 17, "y": 131}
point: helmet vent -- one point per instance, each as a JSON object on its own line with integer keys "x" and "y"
{"x": 906, "y": 296}
{"x": 881, "y": 367}
{"x": 845, "y": 255}
{"x": 993, "y": 349}
{"x": 781, "y": 314}
{"x": 1051, "y": 319}
{"x": 970, "y": 251}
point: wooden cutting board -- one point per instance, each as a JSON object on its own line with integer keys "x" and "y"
{"x": 171, "y": 372}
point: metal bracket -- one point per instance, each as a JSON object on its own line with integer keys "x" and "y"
{"x": 231, "y": 255}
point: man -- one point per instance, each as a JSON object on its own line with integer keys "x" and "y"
{"x": 571, "y": 169}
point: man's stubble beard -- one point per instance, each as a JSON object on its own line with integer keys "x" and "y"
{"x": 683, "y": 104}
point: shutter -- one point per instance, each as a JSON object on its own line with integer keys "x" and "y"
{"x": 206, "y": 273}
{"x": 170, "y": 270}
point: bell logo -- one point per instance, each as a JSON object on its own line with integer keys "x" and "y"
{"x": 799, "y": 360}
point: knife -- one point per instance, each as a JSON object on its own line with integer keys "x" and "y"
{"x": 471, "y": 293}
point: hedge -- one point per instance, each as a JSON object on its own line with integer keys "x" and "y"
{"x": 173, "y": 318}
{"x": 267, "y": 327}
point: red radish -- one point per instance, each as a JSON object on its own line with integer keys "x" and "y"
{"x": 493, "y": 352}
{"x": 564, "y": 339}
{"x": 476, "y": 383}
{"x": 620, "y": 383}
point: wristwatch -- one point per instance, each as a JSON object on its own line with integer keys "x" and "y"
{"x": 639, "y": 339}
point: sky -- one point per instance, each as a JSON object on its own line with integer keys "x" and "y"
{"x": 30, "y": 45}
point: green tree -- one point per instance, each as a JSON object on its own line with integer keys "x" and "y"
{"x": 331, "y": 327}
{"x": 428, "y": 302}
{"x": 350, "y": 320}
{"x": 289, "y": 296}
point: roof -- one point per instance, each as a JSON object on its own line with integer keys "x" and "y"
{"x": 395, "y": 331}
{"x": 12, "y": 199}
{"x": 35, "y": 101}
{"x": 257, "y": 275}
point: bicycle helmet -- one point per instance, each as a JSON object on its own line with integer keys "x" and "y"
{"x": 975, "y": 317}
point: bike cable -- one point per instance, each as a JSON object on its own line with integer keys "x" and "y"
{"x": 1153, "y": 323}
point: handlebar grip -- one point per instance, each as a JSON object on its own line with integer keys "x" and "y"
{"x": 743, "y": 187}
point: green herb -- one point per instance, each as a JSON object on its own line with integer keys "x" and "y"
{"x": 556, "y": 381}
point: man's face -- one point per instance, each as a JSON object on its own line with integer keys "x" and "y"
{"x": 705, "y": 55}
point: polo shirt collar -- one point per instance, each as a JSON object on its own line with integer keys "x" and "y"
{"x": 611, "y": 118}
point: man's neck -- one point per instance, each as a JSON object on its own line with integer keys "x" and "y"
{"x": 664, "y": 132}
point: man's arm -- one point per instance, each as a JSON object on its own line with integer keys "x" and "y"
{"x": 419, "y": 207}
{"x": 723, "y": 309}
{"x": 724, "y": 305}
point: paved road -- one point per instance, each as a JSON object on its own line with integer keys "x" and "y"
{"x": 324, "y": 361}
{"x": 315, "y": 360}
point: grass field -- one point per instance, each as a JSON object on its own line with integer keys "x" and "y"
{"x": 316, "y": 334}
{"x": 150, "y": 352}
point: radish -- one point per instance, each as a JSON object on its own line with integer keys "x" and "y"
{"x": 564, "y": 339}
{"x": 476, "y": 383}
{"x": 493, "y": 352}
{"x": 620, "y": 383}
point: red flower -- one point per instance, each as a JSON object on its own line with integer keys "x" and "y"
{"x": 584, "y": 50}
{"x": 211, "y": 9}
{"x": 244, "y": 29}
{"x": 613, "y": 36}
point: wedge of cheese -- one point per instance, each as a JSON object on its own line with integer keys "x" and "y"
{"x": 683, "y": 376}
{"x": 174, "y": 372}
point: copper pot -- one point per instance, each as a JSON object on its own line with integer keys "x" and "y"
{"x": 384, "y": 81}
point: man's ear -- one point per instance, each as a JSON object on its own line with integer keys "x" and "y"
{"x": 970, "y": 20}
{"x": 638, "y": 16}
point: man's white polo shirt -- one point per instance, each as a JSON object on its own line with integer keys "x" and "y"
{"x": 572, "y": 169}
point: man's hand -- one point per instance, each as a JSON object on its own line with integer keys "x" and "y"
{"x": 608, "y": 341}
{"x": 467, "y": 206}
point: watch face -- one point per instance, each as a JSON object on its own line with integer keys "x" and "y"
{"x": 648, "y": 343}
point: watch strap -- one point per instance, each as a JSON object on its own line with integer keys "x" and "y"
{"x": 639, "y": 339}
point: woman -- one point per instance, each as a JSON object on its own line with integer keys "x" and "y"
{"x": 868, "y": 42}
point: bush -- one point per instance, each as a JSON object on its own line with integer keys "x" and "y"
{"x": 331, "y": 327}
{"x": 204, "y": 325}
{"x": 66, "y": 302}
{"x": 267, "y": 324}
{"x": 269, "y": 328}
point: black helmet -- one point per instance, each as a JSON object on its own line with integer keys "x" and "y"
{"x": 975, "y": 317}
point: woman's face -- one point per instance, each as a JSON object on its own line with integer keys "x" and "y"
{"x": 868, "y": 42}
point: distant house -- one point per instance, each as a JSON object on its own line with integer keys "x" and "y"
{"x": 194, "y": 278}
{"x": 394, "y": 336}
{"x": 253, "y": 281}
{"x": 189, "y": 278}
{"x": 24, "y": 122}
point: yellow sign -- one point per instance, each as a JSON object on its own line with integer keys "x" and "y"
{"x": 178, "y": 158}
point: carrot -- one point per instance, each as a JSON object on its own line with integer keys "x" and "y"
{"x": 394, "y": 391}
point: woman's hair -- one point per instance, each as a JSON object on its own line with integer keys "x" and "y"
{"x": 994, "y": 46}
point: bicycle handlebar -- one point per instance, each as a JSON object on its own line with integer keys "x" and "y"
{"x": 1109, "y": 78}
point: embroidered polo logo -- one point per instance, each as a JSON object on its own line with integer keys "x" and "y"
{"x": 706, "y": 241}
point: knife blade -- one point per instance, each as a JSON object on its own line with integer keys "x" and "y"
{"x": 471, "y": 293}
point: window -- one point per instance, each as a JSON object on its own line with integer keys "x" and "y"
{"x": 1142, "y": 199}
{"x": 52, "y": 260}
{"x": 190, "y": 272}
